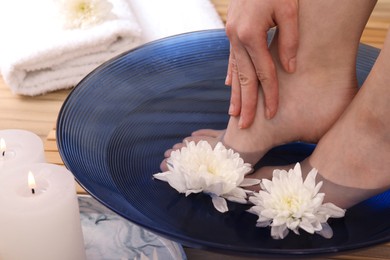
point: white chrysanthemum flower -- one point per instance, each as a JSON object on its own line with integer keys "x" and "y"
{"x": 289, "y": 203}
{"x": 218, "y": 172}
{"x": 85, "y": 13}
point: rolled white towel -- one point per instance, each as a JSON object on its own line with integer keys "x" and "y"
{"x": 160, "y": 19}
{"x": 38, "y": 55}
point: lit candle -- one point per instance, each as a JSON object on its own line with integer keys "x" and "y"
{"x": 19, "y": 147}
{"x": 31, "y": 182}
{"x": 3, "y": 147}
{"x": 39, "y": 214}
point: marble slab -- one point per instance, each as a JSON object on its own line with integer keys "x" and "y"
{"x": 109, "y": 236}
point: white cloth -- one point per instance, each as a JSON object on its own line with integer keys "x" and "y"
{"x": 163, "y": 18}
{"x": 37, "y": 55}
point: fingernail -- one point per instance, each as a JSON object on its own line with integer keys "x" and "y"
{"x": 231, "y": 109}
{"x": 267, "y": 113}
{"x": 240, "y": 123}
{"x": 228, "y": 80}
{"x": 292, "y": 63}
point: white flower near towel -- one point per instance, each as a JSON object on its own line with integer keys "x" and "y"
{"x": 85, "y": 13}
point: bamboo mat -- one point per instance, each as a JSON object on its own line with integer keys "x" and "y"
{"x": 52, "y": 155}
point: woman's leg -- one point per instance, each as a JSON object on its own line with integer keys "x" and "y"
{"x": 312, "y": 98}
{"x": 356, "y": 151}
{"x": 353, "y": 157}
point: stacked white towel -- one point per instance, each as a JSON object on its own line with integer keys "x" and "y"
{"x": 39, "y": 55}
{"x": 160, "y": 19}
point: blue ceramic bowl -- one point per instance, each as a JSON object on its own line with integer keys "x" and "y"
{"x": 116, "y": 124}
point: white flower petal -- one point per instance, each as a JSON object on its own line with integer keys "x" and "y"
{"x": 256, "y": 210}
{"x": 297, "y": 173}
{"x": 269, "y": 213}
{"x": 161, "y": 176}
{"x": 219, "y": 203}
{"x": 216, "y": 188}
{"x": 295, "y": 230}
{"x": 317, "y": 225}
{"x": 264, "y": 219}
{"x": 317, "y": 188}
{"x": 249, "y": 193}
{"x": 188, "y": 192}
{"x": 307, "y": 226}
{"x": 332, "y": 210}
{"x": 279, "y": 220}
{"x": 249, "y": 182}
{"x": 253, "y": 199}
{"x": 174, "y": 180}
{"x": 279, "y": 232}
{"x": 310, "y": 181}
{"x": 236, "y": 199}
{"x": 309, "y": 215}
{"x": 293, "y": 224}
{"x": 236, "y": 195}
{"x": 318, "y": 199}
{"x": 326, "y": 231}
{"x": 238, "y": 192}
{"x": 266, "y": 185}
{"x": 263, "y": 223}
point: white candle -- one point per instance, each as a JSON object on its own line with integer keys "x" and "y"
{"x": 19, "y": 147}
{"x": 40, "y": 219}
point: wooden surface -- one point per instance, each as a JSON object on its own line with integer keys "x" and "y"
{"x": 39, "y": 114}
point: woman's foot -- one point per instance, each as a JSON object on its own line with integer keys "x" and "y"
{"x": 310, "y": 101}
{"x": 353, "y": 156}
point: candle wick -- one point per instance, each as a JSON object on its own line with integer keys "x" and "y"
{"x": 33, "y": 191}
{"x": 3, "y": 153}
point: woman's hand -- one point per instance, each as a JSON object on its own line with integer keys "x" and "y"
{"x": 250, "y": 62}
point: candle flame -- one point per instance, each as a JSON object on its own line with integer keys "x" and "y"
{"x": 3, "y": 147}
{"x": 31, "y": 181}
